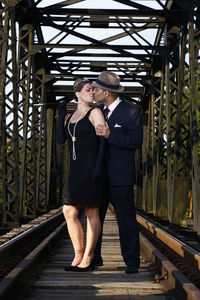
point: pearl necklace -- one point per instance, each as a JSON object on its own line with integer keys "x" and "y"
{"x": 73, "y": 135}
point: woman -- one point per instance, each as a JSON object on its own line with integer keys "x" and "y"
{"x": 85, "y": 180}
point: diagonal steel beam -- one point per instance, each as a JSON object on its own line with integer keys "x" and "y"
{"x": 64, "y": 3}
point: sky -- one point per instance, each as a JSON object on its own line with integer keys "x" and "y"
{"x": 101, "y": 4}
{"x": 104, "y": 4}
{"x": 50, "y": 33}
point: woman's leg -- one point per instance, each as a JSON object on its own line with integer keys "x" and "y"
{"x": 93, "y": 231}
{"x": 75, "y": 230}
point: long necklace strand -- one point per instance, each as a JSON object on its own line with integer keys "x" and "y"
{"x": 73, "y": 136}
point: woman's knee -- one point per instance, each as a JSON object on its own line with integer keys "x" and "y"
{"x": 70, "y": 212}
{"x": 92, "y": 212}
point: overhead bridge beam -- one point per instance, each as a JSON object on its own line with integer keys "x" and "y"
{"x": 105, "y": 46}
{"x": 107, "y": 12}
{"x": 149, "y": 22}
{"x": 67, "y": 91}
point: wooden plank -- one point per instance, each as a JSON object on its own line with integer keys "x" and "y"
{"x": 107, "y": 282}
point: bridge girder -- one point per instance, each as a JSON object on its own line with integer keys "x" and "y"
{"x": 160, "y": 75}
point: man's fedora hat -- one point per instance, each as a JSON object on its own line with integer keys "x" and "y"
{"x": 108, "y": 81}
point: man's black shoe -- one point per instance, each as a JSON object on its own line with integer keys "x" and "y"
{"x": 131, "y": 270}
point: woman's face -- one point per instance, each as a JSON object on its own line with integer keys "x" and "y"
{"x": 86, "y": 94}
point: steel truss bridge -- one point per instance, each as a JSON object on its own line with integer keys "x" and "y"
{"x": 155, "y": 51}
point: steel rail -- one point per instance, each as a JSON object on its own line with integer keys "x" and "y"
{"x": 20, "y": 278}
{"x": 184, "y": 257}
{"x": 181, "y": 248}
{"x": 27, "y": 238}
{"x": 170, "y": 277}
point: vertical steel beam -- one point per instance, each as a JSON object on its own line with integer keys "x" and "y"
{"x": 4, "y": 19}
{"x": 161, "y": 156}
{"x": 148, "y": 170}
{"x": 41, "y": 142}
{"x": 181, "y": 159}
{"x": 153, "y": 143}
{"x": 145, "y": 147}
{"x": 177, "y": 129}
{"x": 168, "y": 137}
{"x": 9, "y": 121}
{"x": 27, "y": 196}
{"x": 49, "y": 124}
{"x": 194, "y": 69}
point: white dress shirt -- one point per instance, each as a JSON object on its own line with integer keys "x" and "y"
{"x": 112, "y": 106}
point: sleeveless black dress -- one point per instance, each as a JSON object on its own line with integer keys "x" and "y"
{"x": 85, "y": 184}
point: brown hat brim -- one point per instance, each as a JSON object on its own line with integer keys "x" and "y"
{"x": 119, "y": 89}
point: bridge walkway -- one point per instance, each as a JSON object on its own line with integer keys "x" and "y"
{"x": 107, "y": 282}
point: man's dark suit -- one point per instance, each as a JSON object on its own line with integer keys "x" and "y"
{"x": 125, "y": 124}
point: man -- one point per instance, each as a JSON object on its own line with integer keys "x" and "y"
{"x": 123, "y": 132}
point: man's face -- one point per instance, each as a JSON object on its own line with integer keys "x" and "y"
{"x": 99, "y": 95}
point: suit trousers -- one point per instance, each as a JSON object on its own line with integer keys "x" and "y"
{"x": 122, "y": 199}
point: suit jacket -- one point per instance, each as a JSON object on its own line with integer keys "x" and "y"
{"x": 126, "y": 135}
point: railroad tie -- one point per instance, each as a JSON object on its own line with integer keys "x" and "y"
{"x": 106, "y": 282}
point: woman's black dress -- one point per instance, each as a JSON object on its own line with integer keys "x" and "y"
{"x": 85, "y": 184}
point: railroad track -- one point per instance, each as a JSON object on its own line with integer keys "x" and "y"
{"x": 183, "y": 256}
{"x": 23, "y": 249}
{"x": 23, "y": 255}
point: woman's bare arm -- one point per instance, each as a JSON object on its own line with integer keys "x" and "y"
{"x": 97, "y": 117}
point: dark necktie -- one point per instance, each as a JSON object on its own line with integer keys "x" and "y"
{"x": 106, "y": 112}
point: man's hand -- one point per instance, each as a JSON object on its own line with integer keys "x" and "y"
{"x": 103, "y": 130}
